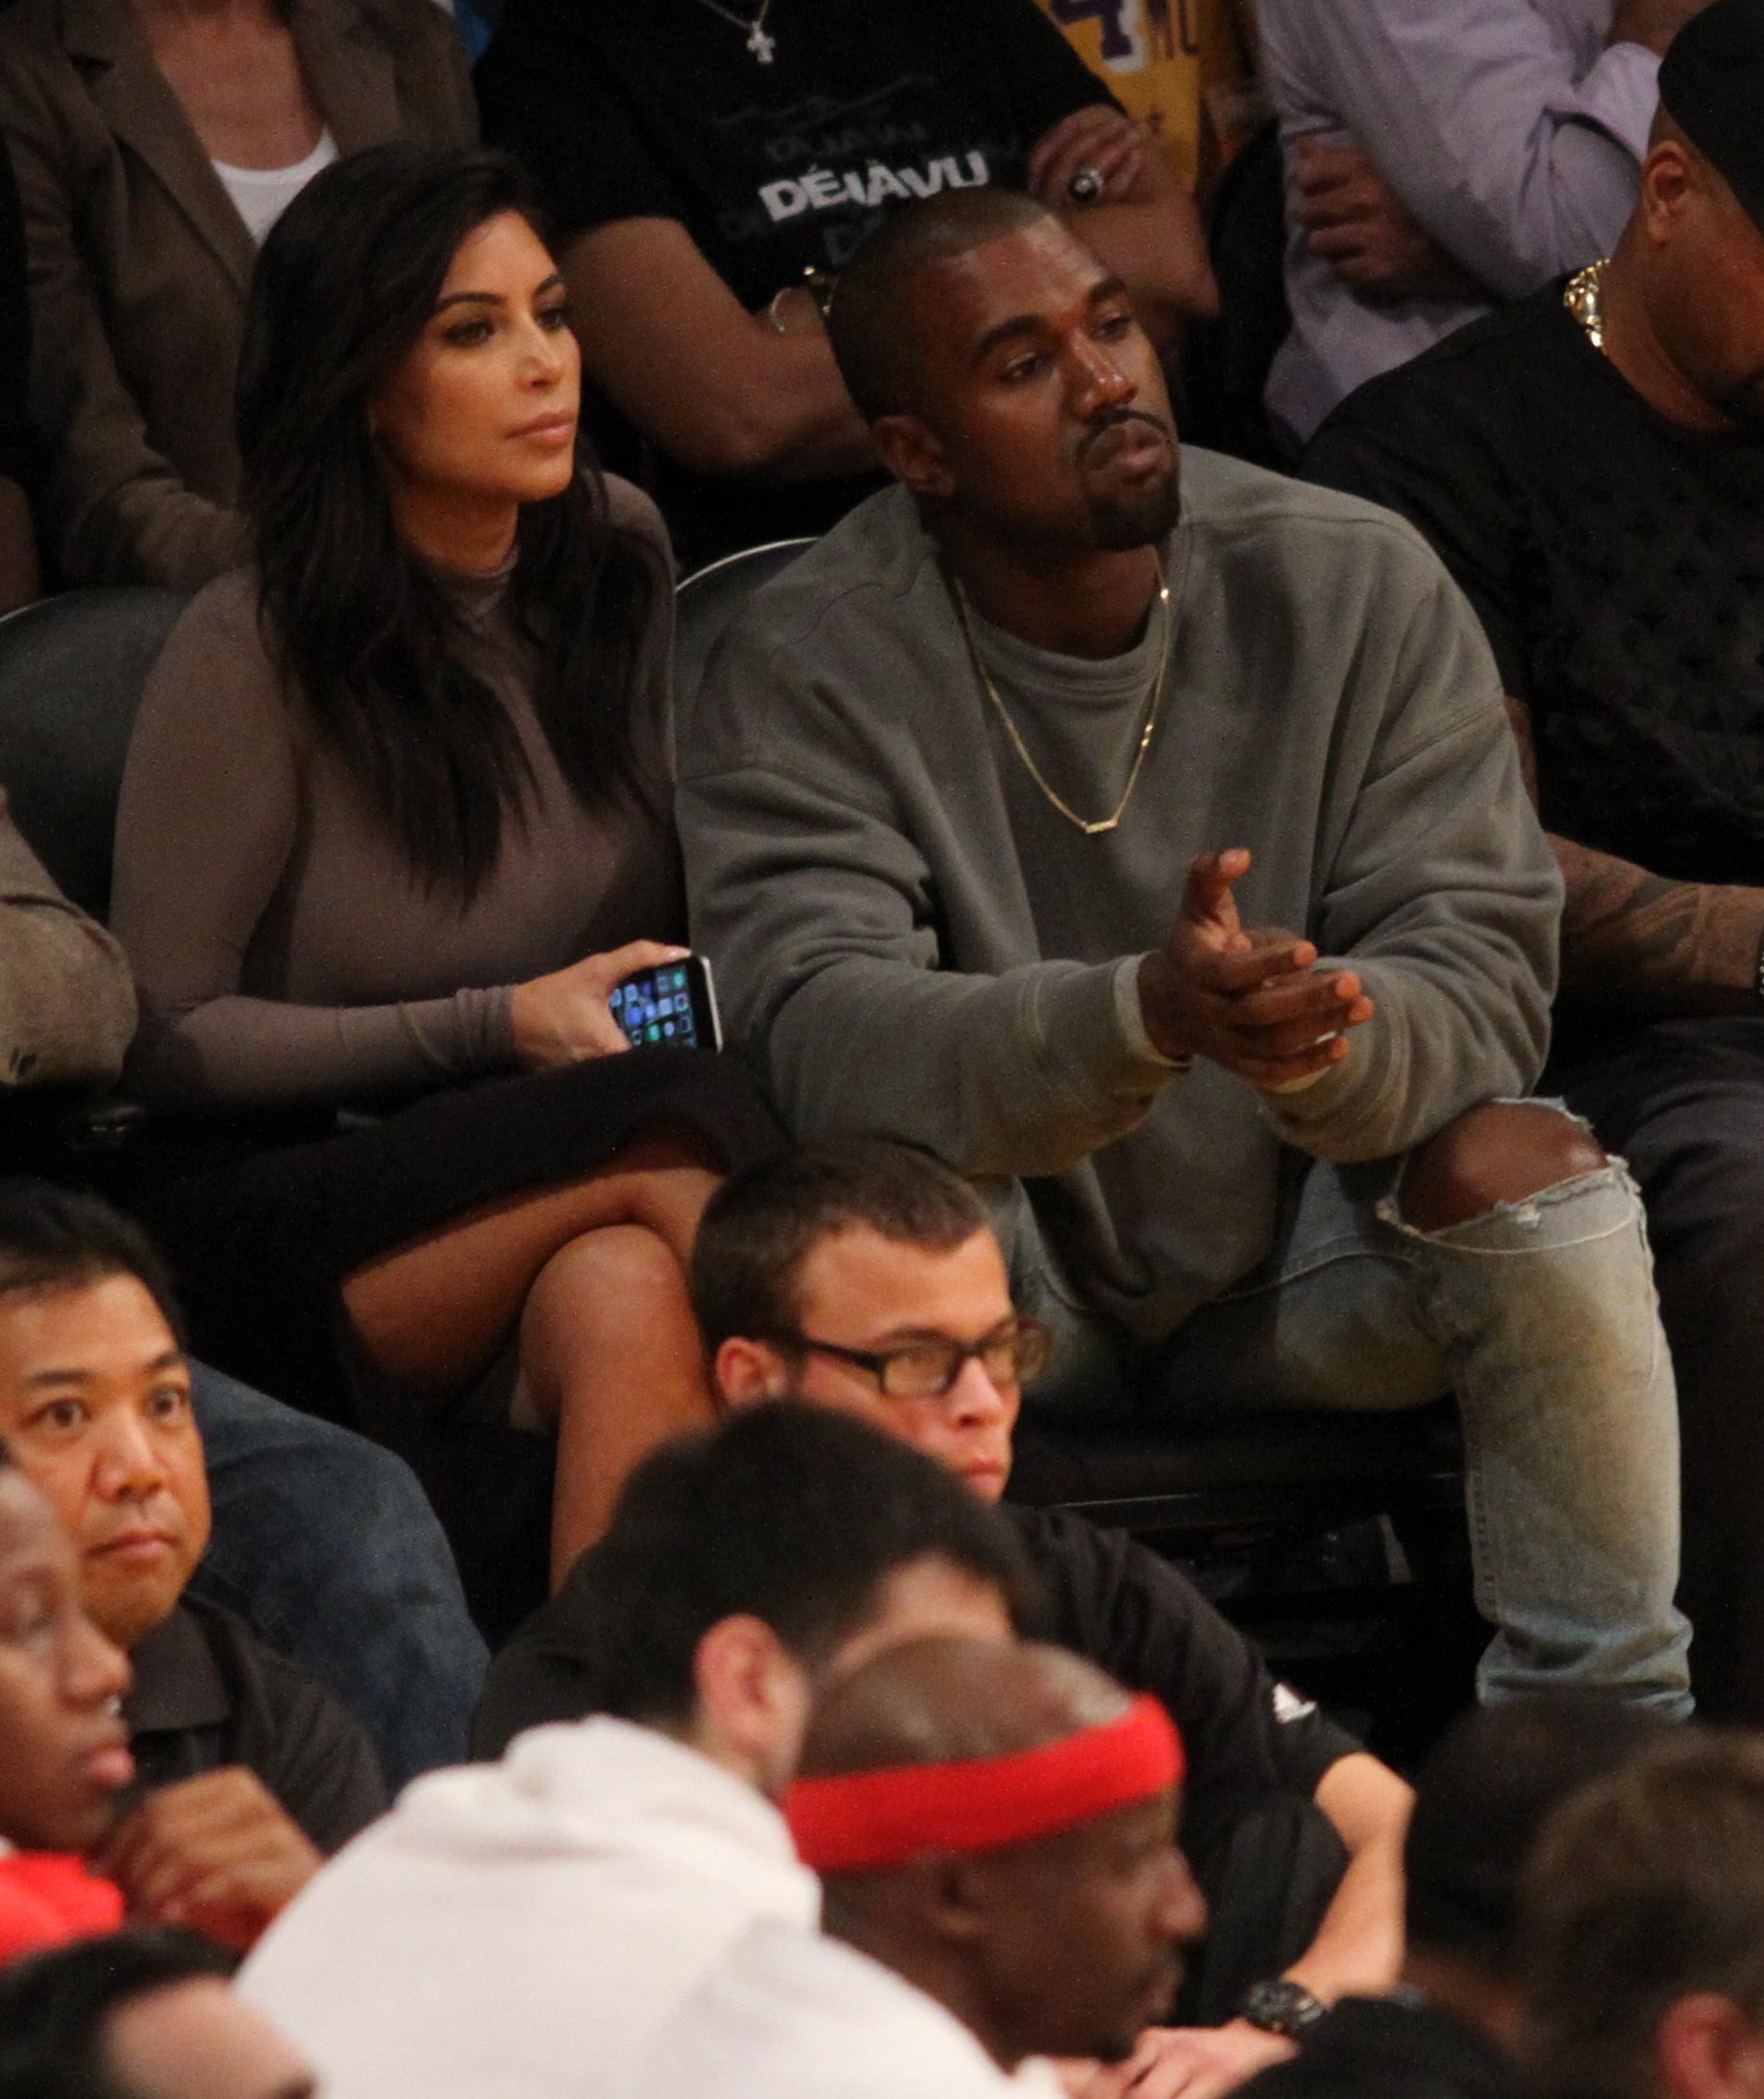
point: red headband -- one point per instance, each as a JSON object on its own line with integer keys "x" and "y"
{"x": 882, "y": 1819}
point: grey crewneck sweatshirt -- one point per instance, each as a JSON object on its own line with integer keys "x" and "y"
{"x": 913, "y": 943}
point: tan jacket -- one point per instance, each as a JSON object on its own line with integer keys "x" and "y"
{"x": 66, "y": 999}
{"x": 139, "y": 262}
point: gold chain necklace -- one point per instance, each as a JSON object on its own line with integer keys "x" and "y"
{"x": 1091, "y": 827}
{"x": 1584, "y": 297}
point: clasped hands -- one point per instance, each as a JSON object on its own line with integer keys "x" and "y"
{"x": 217, "y": 1853}
{"x": 1252, "y": 1000}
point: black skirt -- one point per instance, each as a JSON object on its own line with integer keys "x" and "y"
{"x": 264, "y": 1219}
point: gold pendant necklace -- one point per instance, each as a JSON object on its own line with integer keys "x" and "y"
{"x": 1094, "y": 825}
{"x": 1584, "y": 297}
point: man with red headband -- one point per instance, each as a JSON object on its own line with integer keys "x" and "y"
{"x": 995, "y": 1832}
{"x": 519, "y": 1931}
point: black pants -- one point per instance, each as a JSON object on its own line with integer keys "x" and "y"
{"x": 1683, "y": 1101}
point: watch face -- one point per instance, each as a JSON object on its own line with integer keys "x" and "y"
{"x": 1281, "y": 2007}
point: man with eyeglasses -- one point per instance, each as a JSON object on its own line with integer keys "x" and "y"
{"x": 863, "y": 1276}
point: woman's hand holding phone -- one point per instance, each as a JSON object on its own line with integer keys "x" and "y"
{"x": 564, "y": 1018}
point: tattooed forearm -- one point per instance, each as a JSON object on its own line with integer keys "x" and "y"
{"x": 1634, "y": 939}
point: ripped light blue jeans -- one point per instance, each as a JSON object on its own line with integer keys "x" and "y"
{"x": 1541, "y": 1316}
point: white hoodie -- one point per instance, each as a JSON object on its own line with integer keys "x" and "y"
{"x": 791, "y": 2014}
{"x": 518, "y": 1930}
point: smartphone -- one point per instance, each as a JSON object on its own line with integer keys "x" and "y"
{"x": 675, "y": 1003}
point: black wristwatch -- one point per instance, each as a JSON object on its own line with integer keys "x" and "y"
{"x": 1281, "y": 2007}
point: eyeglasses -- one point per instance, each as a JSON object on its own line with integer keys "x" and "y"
{"x": 1009, "y": 1355}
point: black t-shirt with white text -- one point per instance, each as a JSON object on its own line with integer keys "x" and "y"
{"x": 655, "y": 109}
{"x": 1616, "y": 564}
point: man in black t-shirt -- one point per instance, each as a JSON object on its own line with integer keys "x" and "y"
{"x": 1590, "y": 466}
{"x": 863, "y": 1277}
{"x": 697, "y": 159}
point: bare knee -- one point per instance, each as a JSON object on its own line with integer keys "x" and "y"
{"x": 615, "y": 1275}
{"x": 1501, "y": 1152}
{"x": 610, "y": 1358}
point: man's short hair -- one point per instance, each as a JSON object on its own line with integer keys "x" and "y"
{"x": 1482, "y": 1795}
{"x": 1646, "y": 1886}
{"x": 54, "y": 1238}
{"x": 763, "y": 1223}
{"x": 54, "y": 2006}
{"x": 792, "y": 1515}
{"x": 871, "y": 336}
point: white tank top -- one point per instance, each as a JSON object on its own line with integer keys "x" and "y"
{"x": 261, "y": 194}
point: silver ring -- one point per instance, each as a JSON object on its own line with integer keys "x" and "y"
{"x": 1086, "y": 185}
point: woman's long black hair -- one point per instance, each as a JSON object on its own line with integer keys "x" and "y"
{"x": 344, "y": 286}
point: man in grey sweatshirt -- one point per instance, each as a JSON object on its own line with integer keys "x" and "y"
{"x": 1163, "y": 863}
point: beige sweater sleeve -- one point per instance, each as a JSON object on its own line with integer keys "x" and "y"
{"x": 66, "y": 1002}
{"x": 206, "y": 825}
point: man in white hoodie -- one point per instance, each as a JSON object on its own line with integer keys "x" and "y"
{"x": 519, "y": 1930}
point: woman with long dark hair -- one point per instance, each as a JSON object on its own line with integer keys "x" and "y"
{"x": 396, "y": 818}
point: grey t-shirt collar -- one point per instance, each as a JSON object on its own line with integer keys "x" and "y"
{"x": 1103, "y": 683}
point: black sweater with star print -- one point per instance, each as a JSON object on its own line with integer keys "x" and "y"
{"x": 1616, "y": 562}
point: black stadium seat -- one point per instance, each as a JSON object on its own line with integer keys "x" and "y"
{"x": 71, "y": 672}
{"x": 711, "y": 597}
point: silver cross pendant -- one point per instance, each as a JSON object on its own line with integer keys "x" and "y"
{"x": 760, "y": 44}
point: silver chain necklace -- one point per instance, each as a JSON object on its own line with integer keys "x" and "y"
{"x": 758, "y": 42}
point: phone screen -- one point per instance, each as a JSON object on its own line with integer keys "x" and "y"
{"x": 674, "y": 1004}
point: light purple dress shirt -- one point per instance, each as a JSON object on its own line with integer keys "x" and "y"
{"x": 1507, "y": 127}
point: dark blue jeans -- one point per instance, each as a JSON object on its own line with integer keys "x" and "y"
{"x": 327, "y": 1546}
